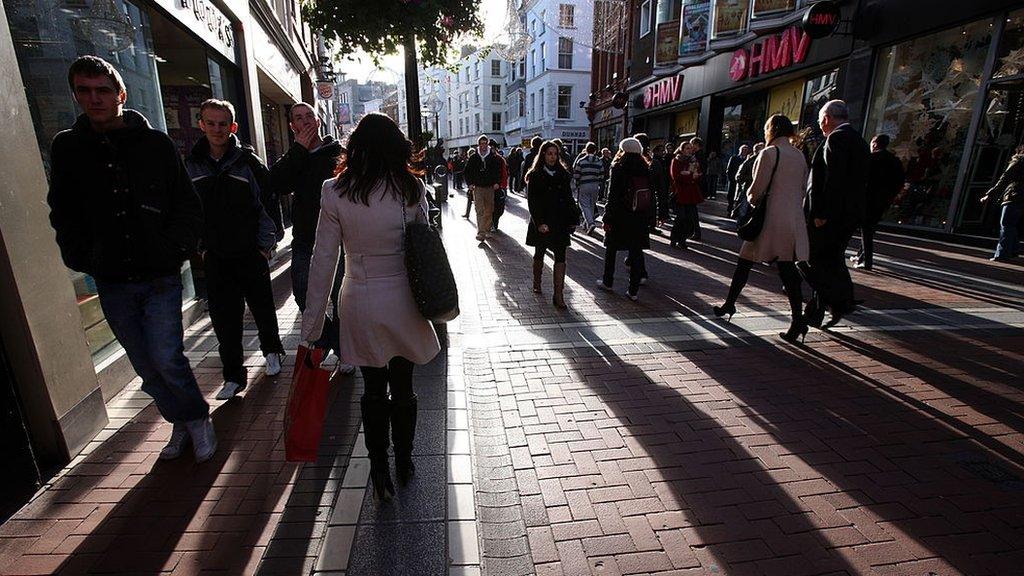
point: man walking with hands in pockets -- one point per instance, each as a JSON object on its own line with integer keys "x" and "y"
{"x": 483, "y": 174}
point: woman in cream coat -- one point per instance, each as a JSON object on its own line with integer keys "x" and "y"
{"x": 783, "y": 240}
{"x": 365, "y": 208}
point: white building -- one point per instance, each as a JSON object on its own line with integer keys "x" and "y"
{"x": 433, "y": 103}
{"x": 552, "y": 83}
{"x": 476, "y": 98}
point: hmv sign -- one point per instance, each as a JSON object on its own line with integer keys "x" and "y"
{"x": 775, "y": 52}
{"x": 663, "y": 92}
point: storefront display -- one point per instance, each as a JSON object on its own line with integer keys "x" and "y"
{"x": 767, "y": 7}
{"x": 166, "y": 70}
{"x": 686, "y": 123}
{"x": 693, "y": 32}
{"x": 730, "y": 17}
{"x": 924, "y": 94}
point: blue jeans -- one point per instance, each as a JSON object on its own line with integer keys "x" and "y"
{"x": 146, "y": 319}
{"x": 302, "y": 255}
{"x": 587, "y": 195}
{"x": 1008, "y": 234}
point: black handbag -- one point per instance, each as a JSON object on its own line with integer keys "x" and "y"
{"x": 430, "y": 274}
{"x": 751, "y": 222}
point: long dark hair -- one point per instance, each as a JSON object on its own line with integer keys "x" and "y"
{"x": 538, "y": 159}
{"x": 378, "y": 150}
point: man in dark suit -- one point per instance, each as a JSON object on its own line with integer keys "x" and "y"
{"x": 834, "y": 207}
{"x": 885, "y": 180}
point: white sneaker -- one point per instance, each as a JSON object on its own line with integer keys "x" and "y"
{"x": 176, "y": 445}
{"x": 204, "y": 439}
{"x": 633, "y": 297}
{"x": 273, "y": 367}
{"x": 602, "y": 285}
{"x": 643, "y": 281}
{"x": 229, "y": 390}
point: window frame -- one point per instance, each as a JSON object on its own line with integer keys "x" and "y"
{"x": 493, "y": 86}
{"x": 568, "y": 103}
{"x": 645, "y": 22}
{"x": 566, "y": 16}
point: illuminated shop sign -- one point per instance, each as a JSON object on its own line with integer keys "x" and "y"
{"x": 769, "y": 54}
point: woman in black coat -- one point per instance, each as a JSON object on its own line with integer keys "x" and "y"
{"x": 626, "y": 217}
{"x": 552, "y": 215}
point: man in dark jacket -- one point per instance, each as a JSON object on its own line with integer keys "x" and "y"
{"x": 238, "y": 241}
{"x": 310, "y": 161}
{"x": 661, "y": 180}
{"x": 835, "y": 208}
{"x": 483, "y": 174}
{"x": 730, "y": 173}
{"x": 885, "y": 180}
{"x": 531, "y": 156}
{"x": 125, "y": 212}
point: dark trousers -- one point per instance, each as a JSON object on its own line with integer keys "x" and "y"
{"x": 825, "y": 269}
{"x": 146, "y": 319}
{"x": 731, "y": 200}
{"x": 637, "y": 267}
{"x": 395, "y": 378}
{"x": 302, "y": 256}
{"x": 500, "y": 198}
{"x": 867, "y": 248}
{"x": 686, "y": 225}
{"x": 469, "y": 204}
{"x": 233, "y": 283}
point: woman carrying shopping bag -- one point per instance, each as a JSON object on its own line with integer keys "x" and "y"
{"x": 366, "y": 208}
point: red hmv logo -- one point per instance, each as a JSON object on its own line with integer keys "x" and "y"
{"x": 770, "y": 54}
{"x": 663, "y": 92}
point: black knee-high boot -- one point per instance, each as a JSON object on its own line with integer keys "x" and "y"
{"x": 793, "y": 284}
{"x": 739, "y": 280}
{"x": 403, "y": 432}
{"x": 376, "y": 411}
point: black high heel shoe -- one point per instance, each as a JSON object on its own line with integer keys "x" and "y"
{"x": 724, "y": 309}
{"x": 380, "y": 479}
{"x": 796, "y": 330}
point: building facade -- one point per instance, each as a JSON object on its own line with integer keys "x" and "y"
{"x": 557, "y": 70}
{"x": 475, "y": 98}
{"x": 940, "y": 81}
{"x": 609, "y": 83}
{"x": 61, "y": 358}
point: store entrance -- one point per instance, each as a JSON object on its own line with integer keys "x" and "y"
{"x": 1000, "y": 132}
{"x": 742, "y": 123}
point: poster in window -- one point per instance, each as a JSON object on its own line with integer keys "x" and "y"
{"x": 668, "y": 43}
{"x": 686, "y": 122}
{"x": 730, "y": 16}
{"x": 787, "y": 99}
{"x": 765, "y": 7}
{"x": 693, "y": 32}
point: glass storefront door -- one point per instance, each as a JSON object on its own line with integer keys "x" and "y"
{"x": 1000, "y": 132}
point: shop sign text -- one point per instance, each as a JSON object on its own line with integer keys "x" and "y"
{"x": 211, "y": 18}
{"x": 663, "y": 92}
{"x": 772, "y": 53}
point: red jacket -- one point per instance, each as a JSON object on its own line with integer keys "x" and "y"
{"x": 685, "y": 172}
{"x": 504, "y": 173}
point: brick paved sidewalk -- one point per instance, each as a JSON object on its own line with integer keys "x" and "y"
{"x": 625, "y": 448}
{"x": 612, "y": 438}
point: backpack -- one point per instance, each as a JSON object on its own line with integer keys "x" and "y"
{"x": 640, "y": 195}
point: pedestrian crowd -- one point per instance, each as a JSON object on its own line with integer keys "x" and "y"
{"x": 128, "y": 210}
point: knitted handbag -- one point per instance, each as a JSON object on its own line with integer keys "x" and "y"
{"x": 430, "y": 274}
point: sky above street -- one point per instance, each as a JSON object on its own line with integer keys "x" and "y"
{"x": 492, "y": 12}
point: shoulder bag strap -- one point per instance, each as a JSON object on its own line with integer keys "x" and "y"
{"x": 768, "y": 190}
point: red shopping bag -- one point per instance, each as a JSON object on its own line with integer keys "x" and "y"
{"x": 307, "y": 405}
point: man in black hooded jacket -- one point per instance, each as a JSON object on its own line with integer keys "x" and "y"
{"x": 238, "y": 240}
{"x": 125, "y": 213}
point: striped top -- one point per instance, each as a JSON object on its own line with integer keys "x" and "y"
{"x": 588, "y": 170}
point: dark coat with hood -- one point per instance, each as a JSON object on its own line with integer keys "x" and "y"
{"x": 121, "y": 202}
{"x": 550, "y": 200}
{"x": 626, "y": 229}
{"x": 236, "y": 223}
{"x": 302, "y": 172}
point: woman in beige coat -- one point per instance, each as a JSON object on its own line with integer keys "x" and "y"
{"x": 780, "y": 172}
{"x": 365, "y": 208}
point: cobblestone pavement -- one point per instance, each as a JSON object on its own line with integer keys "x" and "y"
{"x": 612, "y": 438}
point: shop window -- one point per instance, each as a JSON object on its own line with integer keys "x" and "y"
{"x": 565, "y": 102}
{"x": 730, "y": 17}
{"x": 1010, "y": 61}
{"x": 764, "y": 8}
{"x": 645, "y": 18}
{"x": 923, "y": 96}
{"x": 565, "y": 53}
